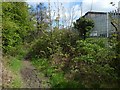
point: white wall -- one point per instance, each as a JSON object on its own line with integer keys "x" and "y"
{"x": 119, "y": 4}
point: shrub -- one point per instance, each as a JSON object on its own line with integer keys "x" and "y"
{"x": 48, "y": 45}
{"x": 86, "y": 62}
{"x": 91, "y": 65}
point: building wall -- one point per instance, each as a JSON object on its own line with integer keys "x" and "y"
{"x": 102, "y": 24}
{"x": 119, "y": 4}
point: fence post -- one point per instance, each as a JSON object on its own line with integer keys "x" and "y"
{"x": 107, "y": 26}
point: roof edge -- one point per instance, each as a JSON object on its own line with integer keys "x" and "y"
{"x": 92, "y": 12}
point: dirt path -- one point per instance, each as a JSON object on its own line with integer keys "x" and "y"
{"x": 32, "y": 78}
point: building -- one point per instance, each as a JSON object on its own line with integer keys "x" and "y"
{"x": 119, "y": 4}
{"x": 103, "y": 26}
{"x": 102, "y": 21}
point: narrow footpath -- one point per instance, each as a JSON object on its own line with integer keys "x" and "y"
{"x": 32, "y": 78}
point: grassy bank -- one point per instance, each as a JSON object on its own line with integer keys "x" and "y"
{"x": 11, "y": 72}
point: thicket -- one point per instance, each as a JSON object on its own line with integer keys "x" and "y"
{"x": 66, "y": 58}
{"x": 70, "y": 61}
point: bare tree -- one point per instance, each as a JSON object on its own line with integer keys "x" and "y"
{"x": 64, "y": 16}
{"x": 73, "y": 15}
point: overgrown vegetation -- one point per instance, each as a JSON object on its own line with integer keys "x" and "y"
{"x": 67, "y": 58}
{"x": 86, "y": 63}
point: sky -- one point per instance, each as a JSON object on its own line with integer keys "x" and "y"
{"x": 78, "y": 7}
